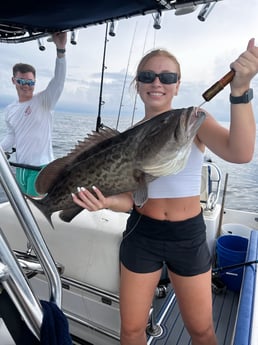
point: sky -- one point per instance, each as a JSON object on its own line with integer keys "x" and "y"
{"x": 204, "y": 49}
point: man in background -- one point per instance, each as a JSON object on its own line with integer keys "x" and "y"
{"x": 29, "y": 119}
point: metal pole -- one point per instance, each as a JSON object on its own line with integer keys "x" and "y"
{"x": 31, "y": 229}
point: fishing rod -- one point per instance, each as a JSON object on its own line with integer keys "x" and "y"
{"x": 127, "y": 68}
{"x": 136, "y": 95}
{"x": 217, "y": 87}
{"x": 101, "y": 102}
{"x": 222, "y": 206}
{"x": 20, "y": 165}
{"x": 230, "y": 267}
{"x": 25, "y": 166}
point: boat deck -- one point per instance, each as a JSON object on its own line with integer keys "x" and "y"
{"x": 167, "y": 315}
{"x": 225, "y": 306}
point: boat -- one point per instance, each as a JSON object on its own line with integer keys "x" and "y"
{"x": 75, "y": 265}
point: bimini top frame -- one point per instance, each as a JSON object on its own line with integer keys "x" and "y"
{"x": 11, "y": 275}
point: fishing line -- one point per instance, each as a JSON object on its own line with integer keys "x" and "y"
{"x": 133, "y": 228}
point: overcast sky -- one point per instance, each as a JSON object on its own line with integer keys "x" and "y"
{"x": 204, "y": 49}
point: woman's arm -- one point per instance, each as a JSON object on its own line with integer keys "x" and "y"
{"x": 97, "y": 201}
{"x": 236, "y": 144}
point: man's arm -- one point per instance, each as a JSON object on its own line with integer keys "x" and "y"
{"x": 8, "y": 141}
{"x": 55, "y": 87}
{"x": 60, "y": 40}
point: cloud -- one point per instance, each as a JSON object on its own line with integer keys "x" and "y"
{"x": 204, "y": 49}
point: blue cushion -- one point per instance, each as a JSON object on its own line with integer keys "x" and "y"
{"x": 245, "y": 311}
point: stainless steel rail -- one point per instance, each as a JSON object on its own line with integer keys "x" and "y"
{"x": 24, "y": 300}
{"x": 18, "y": 288}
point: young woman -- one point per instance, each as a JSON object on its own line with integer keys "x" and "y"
{"x": 170, "y": 227}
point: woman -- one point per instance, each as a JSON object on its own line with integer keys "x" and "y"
{"x": 169, "y": 227}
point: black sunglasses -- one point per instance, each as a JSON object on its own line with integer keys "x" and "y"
{"x": 148, "y": 77}
{"x": 22, "y": 81}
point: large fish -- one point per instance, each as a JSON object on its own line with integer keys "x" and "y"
{"x": 119, "y": 162}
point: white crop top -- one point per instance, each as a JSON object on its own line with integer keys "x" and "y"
{"x": 183, "y": 184}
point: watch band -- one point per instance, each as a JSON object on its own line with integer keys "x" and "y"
{"x": 60, "y": 50}
{"x": 245, "y": 98}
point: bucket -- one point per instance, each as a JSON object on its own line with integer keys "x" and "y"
{"x": 236, "y": 229}
{"x": 231, "y": 250}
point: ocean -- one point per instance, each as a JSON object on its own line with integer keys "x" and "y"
{"x": 242, "y": 185}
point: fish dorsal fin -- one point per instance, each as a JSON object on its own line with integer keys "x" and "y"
{"x": 92, "y": 139}
{"x": 50, "y": 174}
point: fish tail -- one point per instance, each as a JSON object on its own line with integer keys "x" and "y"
{"x": 42, "y": 207}
{"x": 68, "y": 214}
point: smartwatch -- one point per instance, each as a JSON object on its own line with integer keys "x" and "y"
{"x": 245, "y": 98}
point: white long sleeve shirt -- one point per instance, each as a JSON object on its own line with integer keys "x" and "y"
{"x": 29, "y": 124}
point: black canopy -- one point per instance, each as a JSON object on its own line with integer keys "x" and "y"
{"x": 27, "y": 20}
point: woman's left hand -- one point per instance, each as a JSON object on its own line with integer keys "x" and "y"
{"x": 245, "y": 67}
{"x": 90, "y": 201}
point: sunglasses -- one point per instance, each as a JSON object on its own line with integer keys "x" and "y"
{"x": 22, "y": 81}
{"x": 148, "y": 77}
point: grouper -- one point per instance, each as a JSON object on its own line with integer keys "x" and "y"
{"x": 118, "y": 162}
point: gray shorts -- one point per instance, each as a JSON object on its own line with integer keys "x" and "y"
{"x": 149, "y": 243}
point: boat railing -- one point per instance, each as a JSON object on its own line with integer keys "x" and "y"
{"x": 11, "y": 275}
{"x": 210, "y": 185}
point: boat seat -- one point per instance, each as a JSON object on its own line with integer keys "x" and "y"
{"x": 90, "y": 255}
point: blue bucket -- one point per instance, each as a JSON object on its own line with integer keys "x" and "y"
{"x": 231, "y": 250}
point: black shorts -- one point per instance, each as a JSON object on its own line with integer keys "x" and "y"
{"x": 149, "y": 243}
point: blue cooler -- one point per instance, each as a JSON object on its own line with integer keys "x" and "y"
{"x": 231, "y": 250}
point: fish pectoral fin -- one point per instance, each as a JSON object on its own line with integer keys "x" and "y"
{"x": 140, "y": 196}
{"x": 69, "y": 213}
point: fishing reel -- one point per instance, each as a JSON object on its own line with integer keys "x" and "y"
{"x": 8, "y": 154}
{"x": 217, "y": 285}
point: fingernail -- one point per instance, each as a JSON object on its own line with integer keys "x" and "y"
{"x": 93, "y": 187}
{"x": 83, "y": 189}
{"x": 78, "y": 189}
{"x": 72, "y": 194}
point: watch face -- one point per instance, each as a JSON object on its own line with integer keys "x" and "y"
{"x": 249, "y": 95}
{"x": 245, "y": 98}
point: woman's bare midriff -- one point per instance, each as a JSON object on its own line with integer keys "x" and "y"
{"x": 171, "y": 209}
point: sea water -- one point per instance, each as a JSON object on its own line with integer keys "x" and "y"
{"x": 242, "y": 184}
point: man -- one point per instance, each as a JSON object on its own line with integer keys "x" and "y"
{"x": 29, "y": 119}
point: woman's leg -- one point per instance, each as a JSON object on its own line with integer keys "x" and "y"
{"x": 194, "y": 296}
{"x": 136, "y": 296}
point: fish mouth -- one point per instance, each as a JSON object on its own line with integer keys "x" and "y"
{"x": 195, "y": 118}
